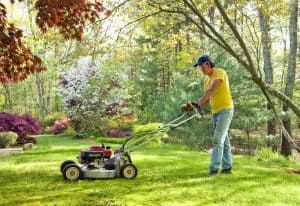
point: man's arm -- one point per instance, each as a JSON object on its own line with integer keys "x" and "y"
{"x": 205, "y": 98}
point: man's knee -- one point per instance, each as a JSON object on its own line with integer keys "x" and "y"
{"x": 219, "y": 144}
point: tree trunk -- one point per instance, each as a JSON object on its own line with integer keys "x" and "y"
{"x": 284, "y": 61}
{"x": 285, "y": 145}
{"x": 268, "y": 70}
{"x": 248, "y": 139}
{"x": 7, "y": 96}
{"x": 48, "y": 99}
{"x": 40, "y": 95}
{"x": 290, "y": 77}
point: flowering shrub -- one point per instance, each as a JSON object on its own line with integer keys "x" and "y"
{"x": 90, "y": 96}
{"x": 50, "y": 119}
{"x": 22, "y": 125}
{"x": 60, "y": 126}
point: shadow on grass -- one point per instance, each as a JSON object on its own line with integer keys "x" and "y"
{"x": 48, "y": 185}
{"x": 167, "y": 176}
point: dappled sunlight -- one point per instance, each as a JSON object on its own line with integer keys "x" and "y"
{"x": 166, "y": 177}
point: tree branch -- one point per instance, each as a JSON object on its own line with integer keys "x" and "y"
{"x": 226, "y": 45}
{"x": 251, "y": 67}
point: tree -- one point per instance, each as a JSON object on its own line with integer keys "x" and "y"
{"x": 290, "y": 76}
{"x": 268, "y": 69}
{"x": 70, "y": 17}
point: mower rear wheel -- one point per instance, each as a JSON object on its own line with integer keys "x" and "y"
{"x": 129, "y": 171}
{"x": 72, "y": 172}
{"x": 65, "y": 163}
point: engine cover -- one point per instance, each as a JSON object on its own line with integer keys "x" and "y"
{"x": 88, "y": 156}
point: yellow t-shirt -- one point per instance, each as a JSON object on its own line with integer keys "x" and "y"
{"x": 220, "y": 98}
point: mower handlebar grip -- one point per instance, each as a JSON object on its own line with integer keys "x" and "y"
{"x": 190, "y": 106}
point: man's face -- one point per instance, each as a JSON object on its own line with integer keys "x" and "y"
{"x": 205, "y": 69}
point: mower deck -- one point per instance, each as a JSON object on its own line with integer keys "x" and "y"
{"x": 98, "y": 173}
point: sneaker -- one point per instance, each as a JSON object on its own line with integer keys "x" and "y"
{"x": 227, "y": 171}
{"x": 213, "y": 172}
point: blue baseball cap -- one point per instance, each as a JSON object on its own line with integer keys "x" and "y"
{"x": 203, "y": 59}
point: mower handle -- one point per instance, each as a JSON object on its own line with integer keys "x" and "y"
{"x": 187, "y": 115}
{"x": 191, "y": 106}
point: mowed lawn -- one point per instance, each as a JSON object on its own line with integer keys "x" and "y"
{"x": 168, "y": 175}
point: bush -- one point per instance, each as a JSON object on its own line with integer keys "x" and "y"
{"x": 60, "y": 126}
{"x": 70, "y": 132}
{"x": 120, "y": 126}
{"x": 22, "y": 125}
{"x": 49, "y": 120}
{"x": 34, "y": 123}
{"x": 7, "y": 139}
{"x": 91, "y": 95}
{"x": 47, "y": 130}
{"x": 266, "y": 154}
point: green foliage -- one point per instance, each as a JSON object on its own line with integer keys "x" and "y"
{"x": 267, "y": 155}
{"x": 254, "y": 142}
{"x": 140, "y": 131}
{"x": 166, "y": 107}
{"x": 7, "y": 139}
{"x": 70, "y": 132}
{"x": 198, "y": 134}
{"x": 118, "y": 122}
{"x": 153, "y": 61}
{"x": 47, "y": 130}
{"x": 110, "y": 140}
{"x": 49, "y": 120}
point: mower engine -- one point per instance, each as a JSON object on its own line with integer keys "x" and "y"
{"x": 94, "y": 156}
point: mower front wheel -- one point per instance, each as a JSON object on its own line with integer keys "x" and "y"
{"x": 65, "y": 163}
{"x": 72, "y": 172}
{"x": 129, "y": 171}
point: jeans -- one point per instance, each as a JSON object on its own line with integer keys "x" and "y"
{"x": 221, "y": 153}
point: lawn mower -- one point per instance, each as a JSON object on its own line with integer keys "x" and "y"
{"x": 98, "y": 162}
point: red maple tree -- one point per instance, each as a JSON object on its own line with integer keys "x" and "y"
{"x": 70, "y": 17}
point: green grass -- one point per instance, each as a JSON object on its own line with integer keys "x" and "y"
{"x": 168, "y": 175}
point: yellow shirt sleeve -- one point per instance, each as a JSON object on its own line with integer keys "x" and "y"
{"x": 219, "y": 75}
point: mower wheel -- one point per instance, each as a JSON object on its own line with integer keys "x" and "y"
{"x": 129, "y": 171}
{"x": 72, "y": 172}
{"x": 65, "y": 163}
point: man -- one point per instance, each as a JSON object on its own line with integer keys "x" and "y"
{"x": 217, "y": 94}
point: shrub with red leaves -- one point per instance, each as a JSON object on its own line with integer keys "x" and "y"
{"x": 60, "y": 126}
{"x": 22, "y": 125}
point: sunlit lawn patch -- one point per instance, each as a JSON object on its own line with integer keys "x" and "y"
{"x": 168, "y": 175}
